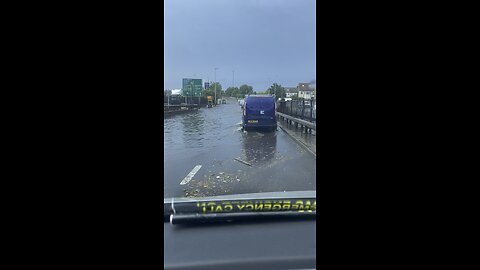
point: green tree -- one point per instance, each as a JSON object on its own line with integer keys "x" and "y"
{"x": 211, "y": 90}
{"x": 232, "y": 91}
{"x": 277, "y": 90}
{"x": 219, "y": 86}
{"x": 245, "y": 90}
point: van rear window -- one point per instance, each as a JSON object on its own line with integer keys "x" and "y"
{"x": 260, "y": 103}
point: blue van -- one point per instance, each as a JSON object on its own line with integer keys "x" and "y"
{"x": 259, "y": 112}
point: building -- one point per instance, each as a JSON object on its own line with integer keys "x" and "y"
{"x": 305, "y": 91}
{"x": 290, "y": 91}
{"x": 313, "y": 85}
{"x": 303, "y": 86}
{"x": 306, "y": 94}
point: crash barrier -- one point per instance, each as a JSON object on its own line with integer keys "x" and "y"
{"x": 308, "y": 126}
{"x": 301, "y": 109}
{"x": 178, "y": 99}
{"x": 176, "y": 109}
{"x": 298, "y": 112}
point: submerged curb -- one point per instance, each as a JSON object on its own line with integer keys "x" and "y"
{"x": 294, "y": 137}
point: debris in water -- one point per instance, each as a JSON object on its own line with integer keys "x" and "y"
{"x": 244, "y": 162}
{"x": 218, "y": 177}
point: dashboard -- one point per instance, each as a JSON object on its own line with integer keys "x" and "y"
{"x": 241, "y": 245}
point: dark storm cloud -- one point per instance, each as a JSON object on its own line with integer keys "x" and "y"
{"x": 264, "y": 41}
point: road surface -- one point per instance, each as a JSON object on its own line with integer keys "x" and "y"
{"x": 206, "y": 154}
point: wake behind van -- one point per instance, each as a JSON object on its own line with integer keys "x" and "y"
{"x": 259, "y": 112}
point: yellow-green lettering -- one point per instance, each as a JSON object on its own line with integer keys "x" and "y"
{"x": 259, "y": 206}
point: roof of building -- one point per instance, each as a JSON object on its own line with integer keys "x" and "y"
{"x": 291, "y": 89}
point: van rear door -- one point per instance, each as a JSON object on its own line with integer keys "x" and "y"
{"x": 261, "y": 109}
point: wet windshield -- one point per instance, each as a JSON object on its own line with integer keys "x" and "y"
{"x": 217, "y": 53}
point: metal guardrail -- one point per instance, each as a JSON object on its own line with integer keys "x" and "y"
{"x": 301, "y": 109}
{"x": 167, "y": 107}
{"x": 301, "y": 112}
{"x": 300, "y": 121}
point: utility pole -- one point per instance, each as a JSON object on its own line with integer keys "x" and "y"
{"x": 215, "y": 85}
{"x": 233, "y": 80}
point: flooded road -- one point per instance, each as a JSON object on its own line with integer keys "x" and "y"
{"x": 207, "y": 154}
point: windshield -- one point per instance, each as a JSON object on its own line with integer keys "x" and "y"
{"x": 239, "y": 97}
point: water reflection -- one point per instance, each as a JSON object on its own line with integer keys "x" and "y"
{"x": 259, "y": 147}
{"x": 193, "y": 129}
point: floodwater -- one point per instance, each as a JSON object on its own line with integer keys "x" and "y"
{"x": 231, "y": 161}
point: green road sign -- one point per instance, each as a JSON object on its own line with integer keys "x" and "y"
{"x": 192, "y": 87}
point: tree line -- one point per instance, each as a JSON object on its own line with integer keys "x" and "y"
{"x": 240, "y": 92}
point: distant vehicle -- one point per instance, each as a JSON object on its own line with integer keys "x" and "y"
{"x": 241, "y": 102}
{"x": 209, "y": 101}
{"x": 224, "y": 101}
{"x": 259, "y": 112}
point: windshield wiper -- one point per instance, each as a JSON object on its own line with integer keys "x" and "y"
{"x": 255, "y": 206}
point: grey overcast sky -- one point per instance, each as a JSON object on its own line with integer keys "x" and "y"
{"x": 264, "y": 41}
